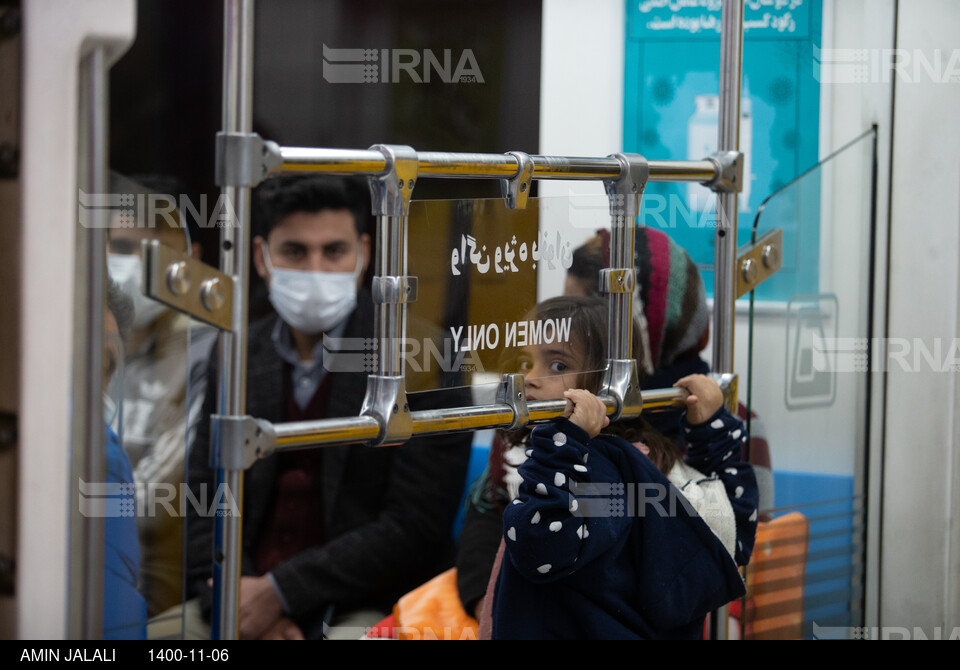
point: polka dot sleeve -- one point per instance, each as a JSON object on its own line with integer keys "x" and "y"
{"x": 562, "y": 516}
{"x": 715, "y": 450}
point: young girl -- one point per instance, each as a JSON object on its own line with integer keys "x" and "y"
{"x": 620, "y": 538}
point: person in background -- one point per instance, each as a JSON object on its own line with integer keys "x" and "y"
{"x": 164, "y": 383}
{"x": 124, "y": 608}
{"x": 331, "y": 536}
{"x": 670, "y": 302}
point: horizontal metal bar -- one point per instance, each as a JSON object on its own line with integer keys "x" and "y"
{"x": 662, "y": 398}
{"x": 675, "y": 171}
{"x": 486, "y": 166}
{"x": 301, "y": 434}
{"x": 435, "y": 422}
{"x": 333, "y": 161}
{"x": 456, "y": 165}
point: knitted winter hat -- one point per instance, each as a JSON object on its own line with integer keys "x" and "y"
{"x": 670, "y": 302}
{"x": 671, "y": 296}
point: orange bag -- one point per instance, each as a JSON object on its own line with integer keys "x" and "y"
{"x": 432, "y": 611}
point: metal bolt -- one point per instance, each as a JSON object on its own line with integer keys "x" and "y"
{"x": 749, "y": 271}
{"x": 211, "y": 294}
{"x": 770, "y": 256}
{"x": 178, "y": 278}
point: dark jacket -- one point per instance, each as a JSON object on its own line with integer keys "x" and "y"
{"x": 387, "y": 511}
{"x": 599, "y": 544}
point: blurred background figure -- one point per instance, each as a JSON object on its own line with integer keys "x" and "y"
{"x": 164, "y": 381}
{"x": 670, "y": 304}
{"x": 124, "y": 609}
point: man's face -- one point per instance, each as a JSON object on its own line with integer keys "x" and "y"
{"x": 325, "y": 241}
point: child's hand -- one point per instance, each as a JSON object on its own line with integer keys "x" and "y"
{"x": 586, "y": 410}
{"x": 705, "y": 397}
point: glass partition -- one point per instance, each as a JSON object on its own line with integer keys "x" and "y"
{"x": 152, "y": 403}
{"x": 481, "y": 270}
{"x": 807, "y": 392}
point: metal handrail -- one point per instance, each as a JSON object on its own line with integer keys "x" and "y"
{"x": 487, "y": 166}
{"x": 348, "y": 430}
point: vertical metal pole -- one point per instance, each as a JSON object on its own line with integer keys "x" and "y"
{"x": 87, "y": 532}
{"x": 725, "y": 253}
{"x": 391, "y": 321}
{"x": 624, "y": 194}
{"x": 390, "y": 197}
{"x": 619, "y": 332}
{"x": 619, "y": 281}
{"x": 234, "y": 255}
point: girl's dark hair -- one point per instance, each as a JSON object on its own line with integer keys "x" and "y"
{"x": 588, "y": 331}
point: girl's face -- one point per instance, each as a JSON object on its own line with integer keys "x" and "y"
{"x": 550, "y": 369}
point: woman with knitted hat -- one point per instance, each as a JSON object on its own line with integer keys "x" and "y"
{"x": 671, "y": 307}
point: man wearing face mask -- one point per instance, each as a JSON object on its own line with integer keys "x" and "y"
{"x": 332, "y": 536}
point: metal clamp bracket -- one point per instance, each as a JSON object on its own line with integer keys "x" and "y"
{"x": 391, "y": 191}
{"x": 625, "y": 191}
{"x": 622, "y": 382}
{"x": 187, "y": 285}
{"x": 727, "y": 381}
{"x": 394, "y": 290}
{"x": 729, "y": 177}
{"x": 511, "y": 392}
{"x": 516, "y": 189}
{"x": 759, "y": 262}
{"x": 245, "y": 159}
{"x": 386, "y": 401}
{"x": 238, "y": 441}
{"x": 617, "y": 281}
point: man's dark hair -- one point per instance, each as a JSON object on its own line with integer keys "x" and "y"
{"x": 279, "y": 197}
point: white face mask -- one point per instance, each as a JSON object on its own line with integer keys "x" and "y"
{"x": 127, "y": 271}
{"x": 312, "y": 302}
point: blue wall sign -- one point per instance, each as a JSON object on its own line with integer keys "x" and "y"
{"x": 670, "y": 112}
